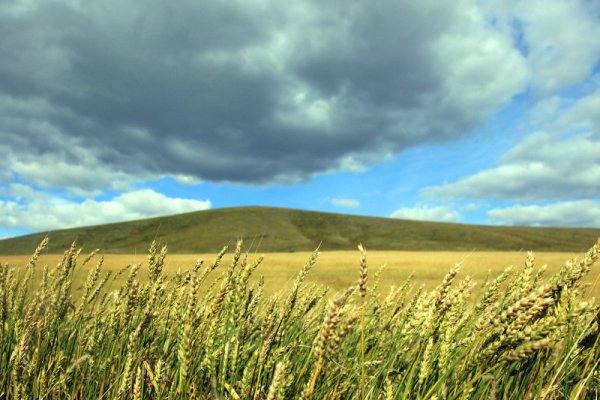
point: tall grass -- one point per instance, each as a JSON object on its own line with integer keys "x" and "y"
{"x": 162, "y": 336}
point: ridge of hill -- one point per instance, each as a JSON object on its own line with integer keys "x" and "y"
{"x": 284, "y": 230}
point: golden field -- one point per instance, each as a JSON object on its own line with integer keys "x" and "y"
{"x": 338, "y": 269}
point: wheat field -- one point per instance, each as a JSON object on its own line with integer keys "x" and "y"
{"x": 300, "y": 325}
{"x": 337, "y": 269}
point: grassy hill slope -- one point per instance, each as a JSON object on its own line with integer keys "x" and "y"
{"x": 278, "y": 229}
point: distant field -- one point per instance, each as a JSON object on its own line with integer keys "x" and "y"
{"x": 339, "y": 269}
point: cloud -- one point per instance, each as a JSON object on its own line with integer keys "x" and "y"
{"x": 559, "y": 158}
{"x": 560, "y": 40}
{"x": 346, "y": 203}
{"x": 561, "y": 161}
{"x": 472, "y": 207}
{"x": 39, "y": 211}
{"x": 249, "y": 92}
{"x": 442, "y": 214}
{"x": 581, "y": 213}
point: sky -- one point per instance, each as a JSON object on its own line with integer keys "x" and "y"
{"x": 468, "y": 111}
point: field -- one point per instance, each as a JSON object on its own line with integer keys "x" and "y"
{"x": 337, "y": 269}
{"x": 500, "y": 326}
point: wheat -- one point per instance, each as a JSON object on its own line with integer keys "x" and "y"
{"x": 181, "y": 336}
{"x": 137, "y": 387}
{"x": 275, "y": 391}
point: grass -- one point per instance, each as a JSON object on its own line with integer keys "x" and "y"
{"x": 211, "y": 331}
{"x": 286, "y": 230}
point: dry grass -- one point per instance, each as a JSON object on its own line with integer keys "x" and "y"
{"x": 337, "y": 269}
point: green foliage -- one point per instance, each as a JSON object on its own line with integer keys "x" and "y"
{"x": 169, "y": 337}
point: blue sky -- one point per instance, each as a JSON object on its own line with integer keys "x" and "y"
{"x": 465, "y": 111}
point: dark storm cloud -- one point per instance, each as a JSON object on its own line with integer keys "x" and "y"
{"x": 237, "y": 91}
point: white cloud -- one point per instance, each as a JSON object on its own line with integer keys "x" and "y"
{"x": 443, "y": 214}
{"x": 560, "y": 157}
{"x": 86, "y": 178}
{"x": 346, "y": 203}
{"x": 561, "y": 160}
{"x": 560, "y": 39}
{"x": 558, "y": 115}
{"x": 541, "y": 167}
{"x": 483, "y": 70}
{"x": 582, "y": 213}
{"x": 40, "y": 211}
{"x": 472, "y": 207}
{"x": 187, "y": 180}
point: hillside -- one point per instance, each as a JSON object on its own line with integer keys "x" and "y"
{"x": 282, "y": 230}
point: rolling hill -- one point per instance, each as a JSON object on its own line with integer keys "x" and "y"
{"x": 285, "y": 230}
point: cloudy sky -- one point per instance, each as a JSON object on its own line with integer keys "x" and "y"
{"x": 467, "y": 111}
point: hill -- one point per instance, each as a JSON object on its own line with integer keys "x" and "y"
{"x": 283, "y": 230}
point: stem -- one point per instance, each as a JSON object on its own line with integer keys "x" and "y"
{"x": 362, "y": 348}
